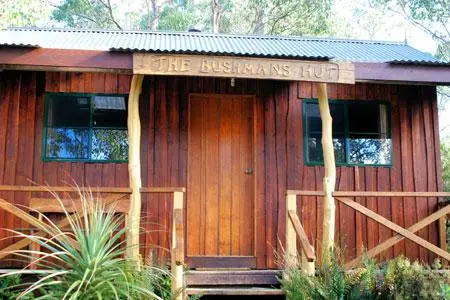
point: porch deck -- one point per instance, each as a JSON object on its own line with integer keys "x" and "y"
{"x": 296, "y": 242}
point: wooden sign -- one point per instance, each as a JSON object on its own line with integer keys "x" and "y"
{"x": 241, "y": 67}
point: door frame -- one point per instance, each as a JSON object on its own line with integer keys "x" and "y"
{"x": 241, "y": 261}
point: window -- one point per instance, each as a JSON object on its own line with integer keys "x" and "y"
{"x": 85, "y": 127}
{"x": 361, "y": 133}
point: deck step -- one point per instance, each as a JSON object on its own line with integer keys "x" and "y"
{"x": 234, "y": 291}
{"x": 232, "y": 278}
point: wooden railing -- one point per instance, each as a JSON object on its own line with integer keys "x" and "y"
{"x": 344, "y": 197}
{"x": 295, "y": 229}
{"x": 177, "y": 253}
{"x": 110, "y": 195}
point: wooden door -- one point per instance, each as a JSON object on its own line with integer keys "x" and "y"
{"x": 221, "y": 187}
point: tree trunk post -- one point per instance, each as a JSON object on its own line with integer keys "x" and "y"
{"x": 134, "y": 169}
{"x": 329, "y": 181}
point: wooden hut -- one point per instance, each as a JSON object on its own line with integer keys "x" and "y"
{"x": 216, "y": 141}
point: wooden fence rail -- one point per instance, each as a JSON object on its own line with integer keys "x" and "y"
{"x": 110, "y": 195}
{"x": 294, "y": 228}
{"x": 401, "y": 233}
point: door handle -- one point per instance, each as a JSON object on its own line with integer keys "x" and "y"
{"x": 248, "y": 171}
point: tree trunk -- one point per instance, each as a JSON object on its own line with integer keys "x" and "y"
{"x": 215, "y": 16}
{"x": 134, "y": 169}
{"x": 259, "y": 20}
{"x": 329, "y": 181}
{"x": 154, "y": 20}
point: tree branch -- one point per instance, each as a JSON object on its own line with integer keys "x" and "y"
{"x": 108, "y": 6}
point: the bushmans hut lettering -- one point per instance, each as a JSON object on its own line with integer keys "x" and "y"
{"x": 218, "y": 66}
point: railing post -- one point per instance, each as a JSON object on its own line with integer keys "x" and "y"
{"x": 177, "y": 258}
{"x": 308, "y": 266}
{"x": 291, "y": 237}
{"x": 443, "y": 232}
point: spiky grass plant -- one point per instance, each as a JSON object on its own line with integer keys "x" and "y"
{"x": 87, "y": 260}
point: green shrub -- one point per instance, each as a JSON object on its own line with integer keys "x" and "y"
{"x": 397, "y": 279}
{"x": 413, "y": 280}
{"x": 10, "y": 287}
{"x": 330, "y": 283}
{"x": 400, "y": 279}
{"x": 88, "y": 262}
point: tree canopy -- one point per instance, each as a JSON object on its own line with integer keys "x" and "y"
{"x": 296, "y": 17}
{"x": 22, "y": 13}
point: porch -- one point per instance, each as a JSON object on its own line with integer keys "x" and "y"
{"x": 226, "y": 275}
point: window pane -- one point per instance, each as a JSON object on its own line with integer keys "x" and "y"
{"x": 110, "y": 111}
{"x": 109, "y": 144}
{"x": 364, "y": 117}
{"x": 314, "y": 123}
{"x": 314, "y": 150}
{"x": 363, "y": 150}
{"x": 68, "y": 111}
{"x": 67, "y": 143}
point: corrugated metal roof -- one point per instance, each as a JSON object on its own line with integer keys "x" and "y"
{"x": 218, "y": 44}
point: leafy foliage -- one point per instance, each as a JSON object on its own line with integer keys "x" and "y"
{"x": 86, "y": 14}
{"x": 22, "y": 13}
{"x": 9, "y": 287}
{"x": 445, "y": 158}
{"x": 298, "y": 17}
{"x": 397, "y": 279}
{"x": 330, "y": 283}
{"x": 88, "y": 262}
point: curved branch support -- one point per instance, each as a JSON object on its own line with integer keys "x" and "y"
{"x": 134, "y": 169}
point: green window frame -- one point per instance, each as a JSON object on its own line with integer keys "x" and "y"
{"x": 345, "y": 136}
{"x": 90, "y": 129}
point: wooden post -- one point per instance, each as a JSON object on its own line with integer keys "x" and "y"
{"x": 134, "y": 169}
{"x": 291, "y": 236}
{"x": 443, "y": 232}
{"x": 329, "y": 181}
{"x": 177, "y": 257}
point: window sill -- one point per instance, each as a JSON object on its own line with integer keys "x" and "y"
{"x": 88, "y": 161}
{"x": 320, "y": 164}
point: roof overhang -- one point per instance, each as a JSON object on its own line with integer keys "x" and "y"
{"x": 65, "y": 60}
{"x": 403, "y": 73}
{"x": 45, "y": 59}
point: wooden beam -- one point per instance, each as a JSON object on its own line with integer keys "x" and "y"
{"x": 398, "y": 229}
{"x": 221, "y": 262}
{"x": 51, "y": 205}
{"x": 134, "y": 168}
{"x": 243, "y": 67}
{"x": 304, "y": 242}
{"x": 443, "y": 232}
{"x": 329, "y": 181}
{"x": 33, "y": 221}
{"x": 305, "y": 193}
{"x": 369, "y": 194}
{"x": 389, "y": 194}
{"x": 50, "y": 189}
{"x": 291, "y": 238}
{"x": 232, "y": 277}
{"x": 65, "y": 59}
{"x": 402, "y": 73}
{"x": 177, "y": 266}
{"x": 162, "y": 189}
{"x": 397, "y": 238}
{"x": 61, "y": 224}
{"x": 179, "y": 231}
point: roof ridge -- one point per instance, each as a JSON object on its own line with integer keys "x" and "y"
{"x": 208, "y": 34}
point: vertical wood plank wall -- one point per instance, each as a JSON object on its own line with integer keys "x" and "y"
{"x": 279, "y": 156}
